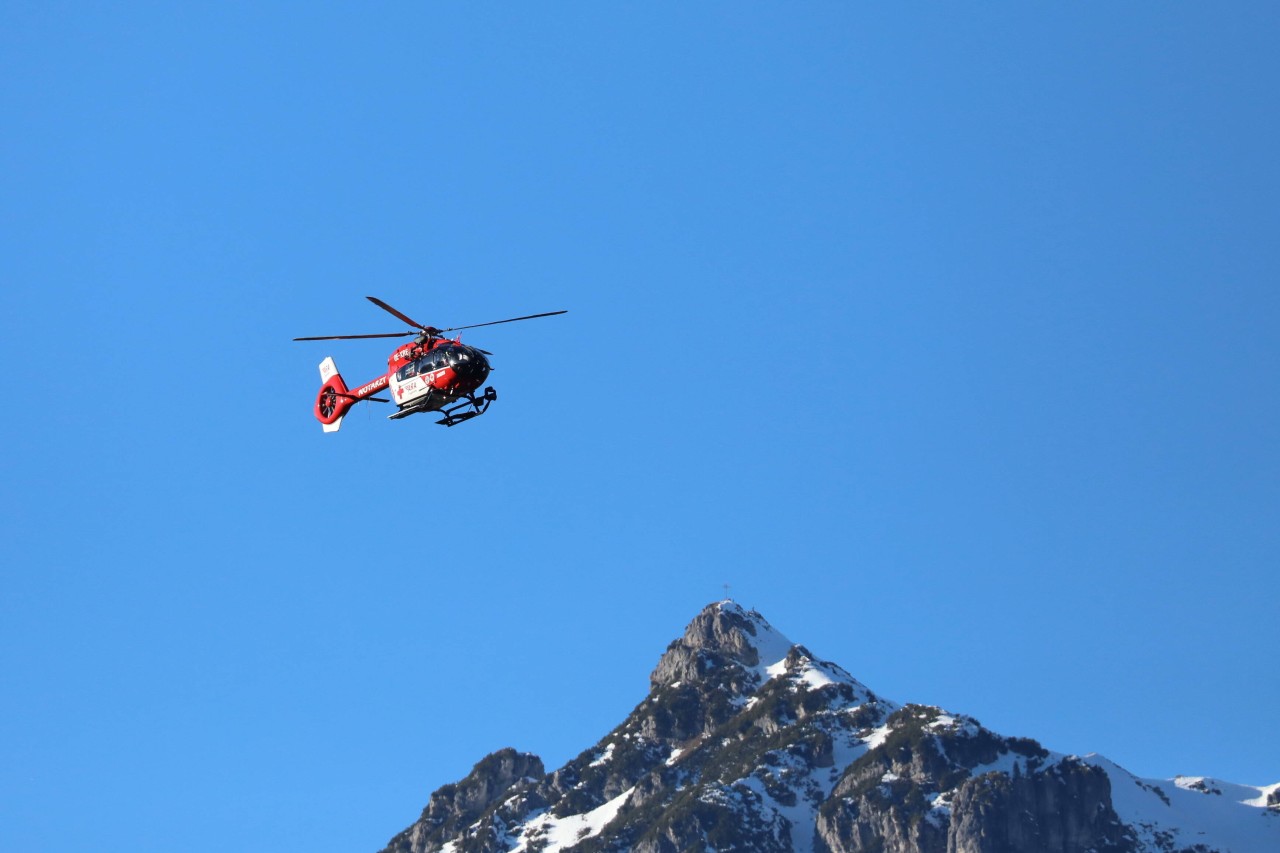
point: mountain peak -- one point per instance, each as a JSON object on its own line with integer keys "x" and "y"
{"x": 722, "y": 634}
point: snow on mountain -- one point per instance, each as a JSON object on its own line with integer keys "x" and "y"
{"x": 549, "y": 833}
{"x": 747, "y": 741}
{"x": 1179, "y": 813}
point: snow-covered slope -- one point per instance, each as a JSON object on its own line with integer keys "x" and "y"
{"x": 1180, "y": 813}
{"x": 748, "y": 742}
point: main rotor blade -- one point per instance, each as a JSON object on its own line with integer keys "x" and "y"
{"x": 393, "y": 312}
{"x": 354, "y": 337}
{"x": 496, "y": 322}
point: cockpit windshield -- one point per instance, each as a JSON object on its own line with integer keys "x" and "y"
{"x": 463, "y": 360}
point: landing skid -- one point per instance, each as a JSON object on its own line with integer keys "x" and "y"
{"x": 470, "y": 408}
{"x": 409, "y": 410}
{"x": 465, "y": 410}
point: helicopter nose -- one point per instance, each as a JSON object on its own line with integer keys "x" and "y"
{"x": 479, "y": 368}
{"x": 471, "y": 366}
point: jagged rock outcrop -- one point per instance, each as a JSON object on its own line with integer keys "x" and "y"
{"x": 747, "y": 742}
{"x": 922, "y": 790}
{"x": 715, "y": 638}
{"x": 453, "y": 808}
{"x": 1065, "y": 808}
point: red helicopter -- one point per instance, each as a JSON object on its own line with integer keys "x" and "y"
{"x": 430, "y": 374}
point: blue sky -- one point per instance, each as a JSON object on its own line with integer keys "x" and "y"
{"x": 946, "y": 338}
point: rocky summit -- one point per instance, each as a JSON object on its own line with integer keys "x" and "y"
{"x": 747, "y": 742}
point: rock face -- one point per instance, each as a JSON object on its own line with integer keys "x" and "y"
{"x": 923, "y": 789}
{"x": 454, "y": 808}
{"x": 1062, "y": 809}
{"x": 747, "y": 742}
{"x": 715, "y": 638}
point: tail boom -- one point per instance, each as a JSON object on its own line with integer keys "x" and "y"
{"x": 335, "y": 399}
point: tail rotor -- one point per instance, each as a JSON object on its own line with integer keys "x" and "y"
{"x": 333, "y": 400}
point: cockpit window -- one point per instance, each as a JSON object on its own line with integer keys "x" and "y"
{"x": 410, "y": 369}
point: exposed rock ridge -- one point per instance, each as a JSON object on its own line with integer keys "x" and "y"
{"x": 722, "y": 634}
{"x": 454, "y": 807}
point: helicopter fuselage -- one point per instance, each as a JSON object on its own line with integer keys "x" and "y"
{"x": 434, "y": 373}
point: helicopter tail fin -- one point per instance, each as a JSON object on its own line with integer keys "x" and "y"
{"x": 333, "y": 400}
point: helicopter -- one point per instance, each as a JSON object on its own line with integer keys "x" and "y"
{"x": 431, "y": 373}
